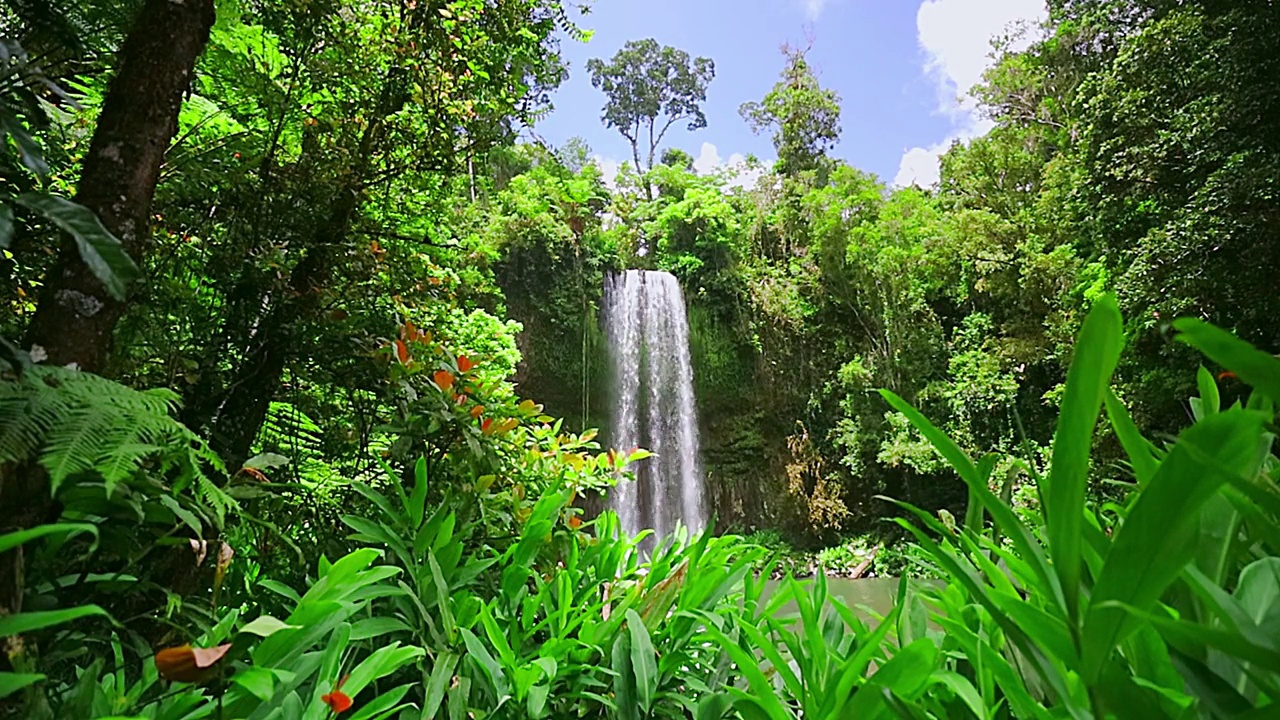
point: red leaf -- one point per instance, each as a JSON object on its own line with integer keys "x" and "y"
{"x": 465, "y": 364}
{"x": 402, "y": 352}
{"x": 444, "y": 379}
{"x": 338, "y": 701}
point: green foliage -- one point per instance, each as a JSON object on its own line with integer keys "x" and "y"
{"x": 76, "y": 424}
{"x": 1140, "y": 636}
{"x": 804, "y": 118}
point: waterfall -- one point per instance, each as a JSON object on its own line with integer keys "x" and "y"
{"x": 653, "y": 406}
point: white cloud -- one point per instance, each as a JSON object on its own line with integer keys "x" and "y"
{"x": 955, "y": 36}
{"x": 709, "y": 160}
{"x": 813, "y": 8}
{"x": 740, "y": 173}
{"x": 919, "y": 166}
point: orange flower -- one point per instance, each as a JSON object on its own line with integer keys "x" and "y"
{"x": 338, "y": 701}
{"x": 444, "y": 379}
{"x": 465, "y": 364}
{"x": 477, "y": 411}
{"x": 575, "y": 522}
{"x": 187, "y": 664}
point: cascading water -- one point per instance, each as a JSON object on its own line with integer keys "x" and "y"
{"x": 653, "y": 404}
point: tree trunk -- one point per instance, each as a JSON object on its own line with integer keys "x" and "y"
{"x": 76, "y": 317}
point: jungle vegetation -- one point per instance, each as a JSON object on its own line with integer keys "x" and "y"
{"x": 301, "y": 371}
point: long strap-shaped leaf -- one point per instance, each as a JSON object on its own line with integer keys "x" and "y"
{"x": 1158, "y": 538}
{"x": 1097, "y": 352}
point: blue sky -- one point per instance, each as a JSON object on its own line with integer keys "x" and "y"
{"x": 899, "y": 67}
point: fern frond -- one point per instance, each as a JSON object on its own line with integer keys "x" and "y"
{"x": 76, "y": 423}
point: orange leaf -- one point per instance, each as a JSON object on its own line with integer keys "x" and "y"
{"x": 509, "y": 424}
{"x": 465, "y": 364}
{"x": 486, "y": 426}
{"x": 408, "y": 332}
{"x": 187, "y": 664}
{"x": 338, "y": 701}
{"x": 477, "y": 411}
{"x": 444, "y": 379}
{"x": 1228, "y": 375}
{"x": 402, "y": 352}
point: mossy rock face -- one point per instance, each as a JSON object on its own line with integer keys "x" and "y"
{"x": 555, "y": 294}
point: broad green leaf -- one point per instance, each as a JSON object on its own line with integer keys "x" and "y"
{"x": 963, "y": 689}
{"x": 377, "y": 627}
{"x": 266, "y": 626}
{"x": 438, "y": 683}
{"x": 1210, "y": 399}
{"x": 960, "y": 571}
{"x": 11, "y": 540}
{"x": 764, "y": 699}
{"x": 380, "y": 663}
{"x": 1219, "y": 526}
{"x": 644, "y": 662}
{"x": 258, "y": 682}
{"x": 26, "y": 622}
{"x": 624, "y": 680}
{"x": 712, "y": 706}
{"x": 1258, "y": 592}
{"x": 28, "y": 147}
{"x": 266, "y": 461}
{"x": 384, "y": 706}
{"x": 1097, "y": 352}
{"x": 418, "y": 498}
{"x": 1251, "y": 365}
{"x": 442, "y": 592}
{"x": 99, "y": 249}
{"x": 490, "y": 667}
{"x": 537, "y": 702}
{"x": 1159, "y": 535}
{"x": 1257, "y": 650}
{"x": 11, "y": 683}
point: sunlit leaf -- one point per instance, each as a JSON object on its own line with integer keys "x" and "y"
{"x": 99, "y": 249}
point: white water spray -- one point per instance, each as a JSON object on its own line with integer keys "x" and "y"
{"x": 653, "y": 404}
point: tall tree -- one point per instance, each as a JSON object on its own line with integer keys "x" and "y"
{"x": 803, "y": 116}
{"x": 77, "y": 314}
{"x": 651, "y": 87}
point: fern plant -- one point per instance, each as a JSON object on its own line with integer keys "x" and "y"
{"x": 75, "y": 423}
